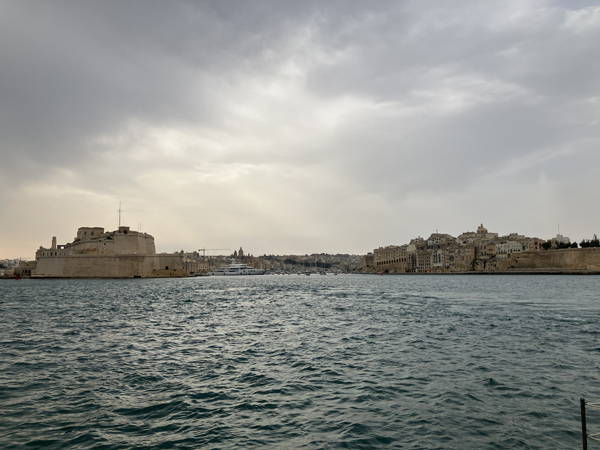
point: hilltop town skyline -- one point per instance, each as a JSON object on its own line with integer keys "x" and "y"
{"x": 225, "y": 252}
{"x": 470, "y": 251}
{"x": 222, "y": 251}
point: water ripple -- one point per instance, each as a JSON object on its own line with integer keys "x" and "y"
{"x": 298, "y": 362}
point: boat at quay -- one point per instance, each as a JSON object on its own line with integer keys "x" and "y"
{"x": 237, "y": 269}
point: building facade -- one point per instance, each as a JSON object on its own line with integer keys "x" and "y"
{"x": 95, "y": 253}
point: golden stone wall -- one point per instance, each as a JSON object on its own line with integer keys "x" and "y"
{"x": 106, "y": 266}
{"x": 567, "y": 259}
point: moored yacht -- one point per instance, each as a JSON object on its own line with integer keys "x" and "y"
{"x": 237, "y": 269}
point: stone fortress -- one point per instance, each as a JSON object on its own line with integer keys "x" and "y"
{"x": 482, "y": 251}
{"x": 94, "y": 253}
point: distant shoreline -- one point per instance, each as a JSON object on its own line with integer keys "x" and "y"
{"x": 520, "y": 272}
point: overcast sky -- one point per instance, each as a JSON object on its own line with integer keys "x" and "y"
{"x": 297, "y": 126}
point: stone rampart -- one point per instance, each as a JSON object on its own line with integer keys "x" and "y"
{"x": 570, "y": 259}
{"x": 106, "y": 266}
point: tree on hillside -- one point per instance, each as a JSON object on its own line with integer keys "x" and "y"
{"x": 547, "y": 245}
{"x": 594, "y": 242}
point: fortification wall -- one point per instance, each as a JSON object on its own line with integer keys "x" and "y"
{"x": 106, "y": 266}
{"x": 387, "y": 268}
{"x": 142, "y": 244}
{"x": 117, "y": 243}
{"x": 571, "y": 259}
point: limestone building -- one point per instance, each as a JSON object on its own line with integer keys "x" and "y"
{"x": 95, "y": 253}
{"x": 482, "y": 251}
{"x": 392, "y": 258}
{"x": 481, "y": 234}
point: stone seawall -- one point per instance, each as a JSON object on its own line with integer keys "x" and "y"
{"x": 106, "y": 266}
{"x": 571, "y": 259}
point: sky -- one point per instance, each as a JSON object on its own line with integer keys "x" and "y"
{"x": 289, "y": 127}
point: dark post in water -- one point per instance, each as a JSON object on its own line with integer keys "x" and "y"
{"x": 583, "y": 426}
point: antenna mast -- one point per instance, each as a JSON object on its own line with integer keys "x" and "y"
{"x": 120, "y": 211}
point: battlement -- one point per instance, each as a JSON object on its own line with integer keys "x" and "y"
{"x": 89, "y": 232}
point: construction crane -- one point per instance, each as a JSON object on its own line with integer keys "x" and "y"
{"x": 203, "y": 250}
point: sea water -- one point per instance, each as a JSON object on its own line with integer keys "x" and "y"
{"x": 319, "y": 362}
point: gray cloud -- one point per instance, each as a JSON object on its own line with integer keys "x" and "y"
{"x": 298, "y": 126}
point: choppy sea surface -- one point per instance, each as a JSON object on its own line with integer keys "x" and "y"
{"x": 319, "y": 362}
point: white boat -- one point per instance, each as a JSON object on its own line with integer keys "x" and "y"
{"x": 237, "y": 269}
